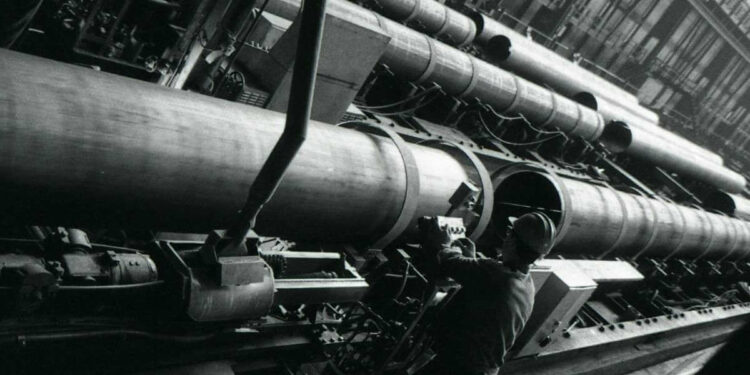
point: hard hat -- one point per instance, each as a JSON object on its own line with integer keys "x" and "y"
{"x": 537, "y": 231}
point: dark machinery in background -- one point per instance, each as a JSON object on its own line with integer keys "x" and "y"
{"x": 133, "y": 136}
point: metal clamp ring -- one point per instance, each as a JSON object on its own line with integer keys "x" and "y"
{"x": 516, "y": 96}
{"x": 431, "y": 63}
{"x": 488, "y": 195}
{"x": 474, "y": 78}
{"x": 411, "y": 196}
{"x": 413, "y": 12}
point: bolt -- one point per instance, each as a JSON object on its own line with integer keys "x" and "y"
{"x": 545, "y": 341}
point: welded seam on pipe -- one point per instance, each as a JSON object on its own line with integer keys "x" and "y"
{"x": 623, "y": 225}
{"x": 706, "y": 224}
{"x": 681, "y": 243}
{"x": 736, "y": 243}
{"x": 553, "y": 113}
{"x": 655, "y": 233}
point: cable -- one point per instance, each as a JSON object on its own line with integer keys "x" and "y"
{"x": 404, "y": 280}
{"x": 407, "y": 110}
{"x": 525, "y": 120}
{"x": 424, "y": 93}
{"x": 241, "y": 45}
{"x": 489, "y": 132}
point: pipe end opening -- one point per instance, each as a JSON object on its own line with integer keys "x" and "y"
{"x": 722, "y": 202}
{"x": 617, "y": 136}
{"x": 498, "y": 48}
{"x": 478, "y": 20}
{"x": 524, "y": 192}
{"x": 587, "y": 99}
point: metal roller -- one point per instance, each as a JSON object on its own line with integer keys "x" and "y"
{"x": 611, "y": 112}
{"x": 415, "y": 57}
{"x": 84, "y": 148}
{"x": 599, "y": 220}
{"x": 653, "y": 149}
{"x": 730, "y": 204}
{"x": 432, "y": 18}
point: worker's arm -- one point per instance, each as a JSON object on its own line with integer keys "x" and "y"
{"x": 465, "y": 270}
{"x": 456, "y": 256}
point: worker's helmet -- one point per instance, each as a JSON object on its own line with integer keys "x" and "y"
{"x": 537, "y": 231}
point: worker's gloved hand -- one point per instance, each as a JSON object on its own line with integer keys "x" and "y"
{"x": 467, "y": 247}
{"x": 432, "y": 236}
{"x": 463, "y": 247}
{"x": 448, "y": 252}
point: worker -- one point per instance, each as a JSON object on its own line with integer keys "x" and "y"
{"x": 478, "y": 327}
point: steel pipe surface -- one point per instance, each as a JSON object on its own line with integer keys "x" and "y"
{"x": 415, "y": 57}
{"x": 602, "y": 221}
{"x": 432, "y": 18}
{"x": 517, "y": 53}
{"x": 611, "y": 112}
{"x": 85, "y": 148}
{"x": 655, "y": 150}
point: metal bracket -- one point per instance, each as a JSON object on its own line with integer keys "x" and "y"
{"x": 488, "y": 191}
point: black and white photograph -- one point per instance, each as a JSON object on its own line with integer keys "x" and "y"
{"x": 374, "y": 187}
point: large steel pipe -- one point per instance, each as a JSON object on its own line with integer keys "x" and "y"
{"x": 602, "y": 221}
{"x": 418, "y": 58}
{"x": 517, "y": 53}
{"x": 432, "y": 18}
{"x": 645, "y": 146}
{"x": 611, "y": 112}
{"x": 84, "y": 148}
{"x": 415, "y": 57}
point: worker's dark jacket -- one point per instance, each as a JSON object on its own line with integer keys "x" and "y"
{"x": 483, "y": 320}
